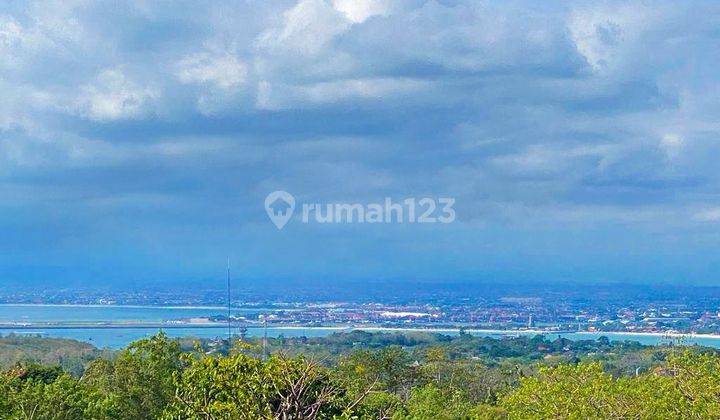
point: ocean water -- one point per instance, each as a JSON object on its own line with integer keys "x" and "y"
{"x": 104, "y": 313}
{"x": 118, "y": 337}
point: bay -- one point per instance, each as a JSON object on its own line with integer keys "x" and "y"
{"x": 115, "y": 337}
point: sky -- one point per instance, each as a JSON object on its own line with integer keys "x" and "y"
{"x": 139, "y": 139}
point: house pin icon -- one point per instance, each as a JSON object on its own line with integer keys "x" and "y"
{"x": 279, "y": 206}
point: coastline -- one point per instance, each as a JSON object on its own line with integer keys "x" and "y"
{"x": 119, "y": 306}
{"x": 10, "y": 323}
{"x": 354, "y": 327}
{"x": 541, "y": 332}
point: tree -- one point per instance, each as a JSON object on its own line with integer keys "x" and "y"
{"x": 582, "y": 391}
{"x": 242, "y": 387}
{"x": 391, "y": 368}
{"x": 141, "y": 376}
{"x": 432, "y": 402}
{"x": 687, "y": 386}
{"x": 210, "y": 387}
{"x": 59, "y": 398}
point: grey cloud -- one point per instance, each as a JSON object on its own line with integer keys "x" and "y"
{"x": 519, "y": 109}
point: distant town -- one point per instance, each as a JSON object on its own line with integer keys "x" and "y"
{"x": 551, "y": 309}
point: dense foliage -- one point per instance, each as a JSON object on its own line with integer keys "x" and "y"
{"x": 372, "y": 376}
{"x": 71, "y": 355}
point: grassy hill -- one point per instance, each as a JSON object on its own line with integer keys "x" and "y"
{"x": 71, "y": 355}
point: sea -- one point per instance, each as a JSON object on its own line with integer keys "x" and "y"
{"x": 114, "y": 335}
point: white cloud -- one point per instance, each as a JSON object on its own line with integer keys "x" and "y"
{"x": 11, "y": 33}
{"x": 602, "y": 32}
{"x": 225, "y": 70}
{"x": 543, "y": 160}
{"x": 51, "y": 27}
{"x": 113, "y": 96}
{"x": 282, "y": 96}
{"x": 358, "y": 11}
{"x": 16, "y": 42}
{"x": 671, "y": 144}
{"x": 708, "y": 215}
{"x": 306, "y": 28}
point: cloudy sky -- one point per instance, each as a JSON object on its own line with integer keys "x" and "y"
{"x": 138, "y": 139}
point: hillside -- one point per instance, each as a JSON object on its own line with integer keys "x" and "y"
{"x": 71, "y": 355}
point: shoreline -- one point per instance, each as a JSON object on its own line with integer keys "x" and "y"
{"x": 119, "y": 306}
{"x": 22, "y": 325}
{"x": 368, "y": 328}
{"x": 545, "y": 332}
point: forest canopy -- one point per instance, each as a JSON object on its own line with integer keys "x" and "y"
{"x": 361, "y": 376}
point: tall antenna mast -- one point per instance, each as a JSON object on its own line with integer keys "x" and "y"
{"x": 264, "y": 337}
{"x": 228, "y": 302}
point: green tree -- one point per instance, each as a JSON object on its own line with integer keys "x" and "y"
{"x": 141, "y": 376}
{"x": 63, "y": 398}
{"x": 221, "y": 388}
{"x": 243, "y": 387}
{"x": 432, "y": 402}
{"x": 580, "y": 391}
